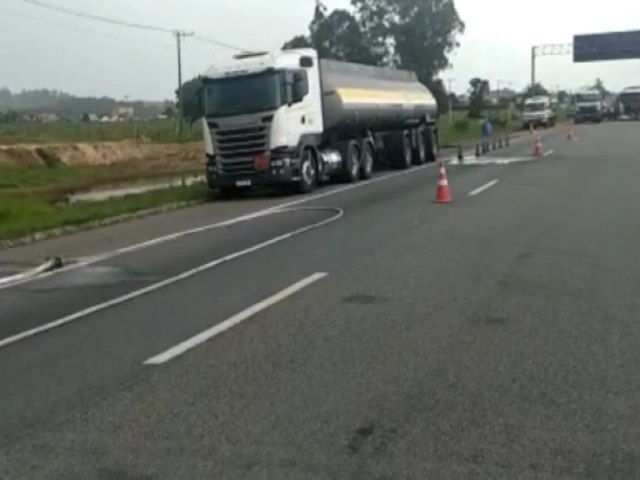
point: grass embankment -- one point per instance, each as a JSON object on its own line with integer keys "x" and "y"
{"x": 159, "y": 131}
{"x": 35, "y": 199}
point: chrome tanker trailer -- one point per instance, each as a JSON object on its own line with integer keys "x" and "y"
{"x": 290, "y": 118}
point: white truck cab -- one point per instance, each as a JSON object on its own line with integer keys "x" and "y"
{"x": 539, "y": 111}
{"x": 589, "y": 106}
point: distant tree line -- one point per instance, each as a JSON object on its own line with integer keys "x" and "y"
{"x": 68, "y": 106}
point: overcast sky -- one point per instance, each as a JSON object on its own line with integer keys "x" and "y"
{"x": 40, "y": 48}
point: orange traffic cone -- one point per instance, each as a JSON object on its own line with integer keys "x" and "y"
{"x": 537, "y": 148}
{"x": 443, "y": 195}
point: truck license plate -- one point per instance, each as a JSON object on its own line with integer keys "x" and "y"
{"x": 243, "y": 183}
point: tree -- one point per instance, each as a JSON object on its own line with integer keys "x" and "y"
{"x": 420, "y": 33}
{"x": 535, "y": 89}
{"x": 479, "y": 90}
{"x": 338, "y": 36}
{"x": 599, "y": 86}
{"x": 563, "y": 96}
{"x": 416, "y": 35}
{"x": 439, "y": 92}
{"x": 299, "y": 41}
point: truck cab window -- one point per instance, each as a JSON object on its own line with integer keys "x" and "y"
{"x": 297, "y": 86}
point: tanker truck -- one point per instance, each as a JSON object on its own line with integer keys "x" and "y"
{"x": 290, "y": 119}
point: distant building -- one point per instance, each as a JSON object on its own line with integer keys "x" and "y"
{"x": 124, "y": 112}
{"x": 40, "y": 117}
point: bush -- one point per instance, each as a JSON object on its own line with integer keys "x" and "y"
{"x": 461, "y": 125}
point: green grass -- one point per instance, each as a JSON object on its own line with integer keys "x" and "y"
{"x": 161, "y": 131}
{"x": 21, "y": 215}
{"x": 464, "y": 129}
{"x": 61, "y": 180}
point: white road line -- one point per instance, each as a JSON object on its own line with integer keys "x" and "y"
{"x": 246, "y": 314}
{"x": 484, "y": 187}
{"x": 549, "y": 152}
{"x": 232, "y": 221}
{"x": 166, "y": 282}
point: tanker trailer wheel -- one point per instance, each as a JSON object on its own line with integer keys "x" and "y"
{"x": 350, "y": 152}
{"x": 308, "y": 172}
{"x": 400, "y": 150}
{"x": 431, "y": 145}
{"x": 366, "y": 160}
{"x": 420, "y": 150}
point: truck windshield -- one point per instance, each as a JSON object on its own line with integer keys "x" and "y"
{"x": 588, "y": 97}
{"x": 534, "y": 107}
{"x": 242, "y": 95}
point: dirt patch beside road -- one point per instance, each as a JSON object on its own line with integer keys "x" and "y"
{"x": 107, "y": 153}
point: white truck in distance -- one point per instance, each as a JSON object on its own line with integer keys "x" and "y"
{"x": 589, "y": 106}
{"x": 539, "y": 111}
{"x": 292, "y": 119}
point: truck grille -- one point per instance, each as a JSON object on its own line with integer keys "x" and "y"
{"x": 237, "y": 147}
{"x": 588, "y": 110}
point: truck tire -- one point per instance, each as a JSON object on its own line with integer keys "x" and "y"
{"x": 350, "y": 152}
{"x": 308, "y": 172}
{"x": 400, "y": 151}
{"x": 420, "y": 150}
{"x": 367, "y": 156}
{"x": 431, "y": 145}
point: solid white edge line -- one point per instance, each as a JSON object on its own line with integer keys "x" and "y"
{"x": 231, "y": 322}
{"x": 484, "y": 187}
{"x": 164, "y": 283}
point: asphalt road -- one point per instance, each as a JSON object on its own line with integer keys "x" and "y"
{"x": 363, "y": 333}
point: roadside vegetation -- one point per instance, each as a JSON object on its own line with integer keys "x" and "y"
{"x": 25, "y": 214}
{"x": 159, "y": 131}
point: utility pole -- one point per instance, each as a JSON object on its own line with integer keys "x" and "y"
{"x": 450, "y": 91}
{"x": 179, "y": 35}
{"x": 533, "y": 65}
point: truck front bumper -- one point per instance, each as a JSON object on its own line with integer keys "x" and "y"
{"x": 588, "y": 117}
{"x": 280, "y": 171}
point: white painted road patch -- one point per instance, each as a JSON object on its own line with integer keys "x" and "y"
{"x": 483, "y": 188}
{"x": 229, "y": 323}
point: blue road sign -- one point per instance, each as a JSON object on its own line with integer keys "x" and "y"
{"x": 606, "y": 46}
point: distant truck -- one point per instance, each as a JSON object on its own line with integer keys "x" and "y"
{"x": 589, "y": 106}
{"x": 539, "y": 111}
{"x": 629, "y": 100}
{"x": 290, "y": 119}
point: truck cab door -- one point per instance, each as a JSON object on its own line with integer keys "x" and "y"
{"x": 302, "y": 117}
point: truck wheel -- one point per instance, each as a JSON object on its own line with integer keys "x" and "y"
{"x": 420, "y": 151}
{"x": 308, "y": 172}
{"x": 351, "y": 161}
{"x": 366, "y": 160}
{"x": 431, "y": 145}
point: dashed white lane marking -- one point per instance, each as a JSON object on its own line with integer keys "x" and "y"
{"x": 166, "y": 282}
{"x": 549, "y": 152}
{"x": 484, "y": 187}
{"x": 246, "y": 314}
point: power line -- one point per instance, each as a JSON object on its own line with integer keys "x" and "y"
{"x": 204, "y": 38}
{"x": 79, "y": 29}
{"x": 90, "y": 16}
